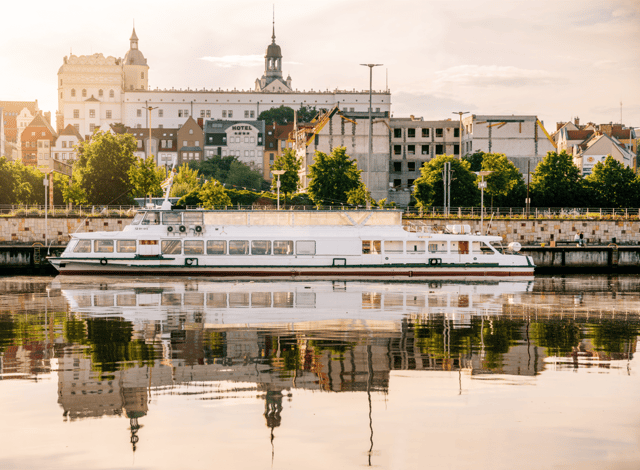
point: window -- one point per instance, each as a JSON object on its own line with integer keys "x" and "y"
{"x": 282, "y": 247}
{"x": 77, "y": 126}
{"x": 252, "y": 114}
{"x": 238, "y": 247}
{"x": 260, "y": 247}
{"x": 397, "y": 133}
{"x": 64, "y": 144}
{"x": 142, "y": 75}
{"x": 246, "y": 140}
{"x": 439, "y": 149}
{"x": 397, "y": 183}
{"x": 456, "y": 132}
{"x": 479, "y": 248}
{"x": 456, "y": 149}
{"x": 411, "y": 166}
{"x": 73, "y": 92}
{"x": 160, "y": 113}
{"x": 439, "y": 133}
{"x": 84, "y": 93}
{"x": 411, "y": 149}
{"x": 411, "y": 133}
{"x": 216, "y": 247}
{"x": 397, "y": 167}
{"x": 230, "y": 113}
{"x": 425, "y": 150}
{"x": 193, "y": 247}
{"x": 224, "y": 113}
{"x": 171, "y": 218}
{"x": 425, "y": 132}
{"x": 138, "y": 112}
{"x": 415, "y": 247}
{"x": 184, "y": 143}
{"x": 109, "y": 114}
{"x": 151, "y": 218}
{"x": 410, "y": 182}
{"x": 246, "y": 114}
{"x": 171, "y": 247}
{"x": 304, "y": 247}
{"x": 83, "y": 246}
{"x": 139, "y": 144}
{"x": 397, "y": 149}
{"x": 197, "y": 143}
{"x": 393, "y": 246}
{"x": 92, "y": 113}
{"x": 100, "y": 93}
{"x": 103, "y": 246}
{"x": 111, "y": 94}
{"x": 437, "y": 247}
{"x": 92, "y": 127}
{"x": 126, "y": 246}
{"x": 371, "y": 247}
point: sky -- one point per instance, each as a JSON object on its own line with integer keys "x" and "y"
{"x": 557, "y": 59}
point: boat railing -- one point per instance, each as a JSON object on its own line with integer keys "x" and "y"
{"x": 418, "y": 226}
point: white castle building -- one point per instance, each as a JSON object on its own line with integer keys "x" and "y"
{"x": 95, "y": 91}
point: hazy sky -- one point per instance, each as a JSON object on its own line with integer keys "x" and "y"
{"x": 553, "y": 58}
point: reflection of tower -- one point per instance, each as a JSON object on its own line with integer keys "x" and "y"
{"x": 272, "y": 410}
{"x": 134, "y": 401}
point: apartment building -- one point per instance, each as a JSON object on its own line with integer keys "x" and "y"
{"x": 242, "y": 139}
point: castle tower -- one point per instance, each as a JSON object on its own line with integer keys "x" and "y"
{"x": 135, "y": 68}
{"x": 272, "y": 79}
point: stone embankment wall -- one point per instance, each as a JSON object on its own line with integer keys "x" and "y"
{"x": 536, "y": 231}
{"x": 22, "y": 230}
{"x": 527, "y": 232}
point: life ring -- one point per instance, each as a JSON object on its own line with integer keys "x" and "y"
{"x": 103, "y": 261}
{"x": 435, "y": 261}
{"x": 169, "y": 228}
{"x": 183, "y": 228}
{"x": 198, "y": 229}
{"x": 188, "y": 261}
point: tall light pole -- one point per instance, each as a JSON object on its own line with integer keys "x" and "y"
{"x": 482, "y": 184}
{"x": 371, "y": 66}
{"x": 149, "y": 108}
{"x": 460, "y": 113}
{"x": 278, "y": 173}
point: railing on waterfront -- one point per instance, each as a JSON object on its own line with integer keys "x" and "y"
{"x": 413, "y": 212}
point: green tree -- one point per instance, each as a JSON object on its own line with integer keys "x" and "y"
{"x": 429, "y": 188}
{"x": 216, "y": 167}
{"x": 556, "y": 182}
{"x": 102, "y": 169}
{"x": 213, "y": 194}
{"x": 306, "y": 113}
{"x": 505, "y": 185}
{"x": 611, "y": 184}
{"x": 146, "y": 177}
{"x": 9, "y": 181}
{"x": 74, "y": 194}
{"x": 359, "y": 196}
{"x": 284, "y": 115}
{"x": 30, "y": 188}
{"x": 185, "y": 180}
{"x": 332, "y": 177}
{"x": 290, "y": 180}
{"x": 241, "y": 176}
{"x": 475, "y": 160}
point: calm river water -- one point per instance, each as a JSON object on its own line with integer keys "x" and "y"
{"x": 99, "y": 373}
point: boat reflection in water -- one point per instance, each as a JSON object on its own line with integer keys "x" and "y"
{"x": 127, "y": 343}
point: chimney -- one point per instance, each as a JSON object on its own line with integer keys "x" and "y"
{"x": 576, "y": 121}
{"x": 201, "y": 123}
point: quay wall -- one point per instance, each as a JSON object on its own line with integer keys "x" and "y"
{"x": 21, "y": 230}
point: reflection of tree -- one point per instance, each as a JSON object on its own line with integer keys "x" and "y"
{"x": 7, "y": 335}
{"x": 112, "y": 347}
{"x": 557, "y": 336}
{"x": 215, "y": 345}
{"x": 612, "y": 336}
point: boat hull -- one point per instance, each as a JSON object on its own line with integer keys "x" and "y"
{"x": 385, "y": 272}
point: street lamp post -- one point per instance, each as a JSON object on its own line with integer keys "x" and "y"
{"x": 460, "y": 113}
{"x": 482, "y": 185}
{"x": 149, "y": 108}
{"x": 371, "y": 66}
{"x": 278, "y": 173}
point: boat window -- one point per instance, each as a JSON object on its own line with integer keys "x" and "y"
{"x": 282, "y": 247}
{"x": 239, "y": 299}
{"x": 217, "y": 300}
{"x": 371, "y": 247}
{"x": 148, "y": 242}
{"x": 437, "y": 247}
{"x": 103, "y": 246}
{"x": 126, "y": 246}
{"x": 171, "y": 218}
{"x": 497, "y": 246}
{"x": 192, "y": 218}
{"x": 393, "y": 246}
{"x": 260, "y": 247}
{"x": 306, "y": 247}
{"x": 261, "y": 299}
{"x": 151, "y": 218}
{"x": 193, "y": 247}
{"x": 216, "y": 247}
{"x": 283, "y": 299}
{"x": 83, "y": 246}
{"x": 171, "y": 299}
{"x": 415, "y": 247}
{"x": 171, "y": 247}
{"x": 103, "y": 300}
{"x": 137, "y": 218}
{"x": 481, "y": 248}
{"x": 238, "y": 247}
{"x": 71, "y": 245}
{"x": 194, "y": 299}
{"x": 126, "y": 300}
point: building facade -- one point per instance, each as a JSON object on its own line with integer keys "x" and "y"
{"x": 242, "y": 139}
{"x": 37, "y": 140}
{"x": 523, "y": 139}
{"x": 596, "y": 149}
{"x": 15, "y": 116}
{"x": 64, "y": 149}
{"x": 190, "y": 142}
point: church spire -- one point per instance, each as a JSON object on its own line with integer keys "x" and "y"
{"x": 273, "y": 35}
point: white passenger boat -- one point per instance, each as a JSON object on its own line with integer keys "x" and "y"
{"x": 258, "y": 244}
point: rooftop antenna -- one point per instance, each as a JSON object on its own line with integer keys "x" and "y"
{"x": 620, "y": 112}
